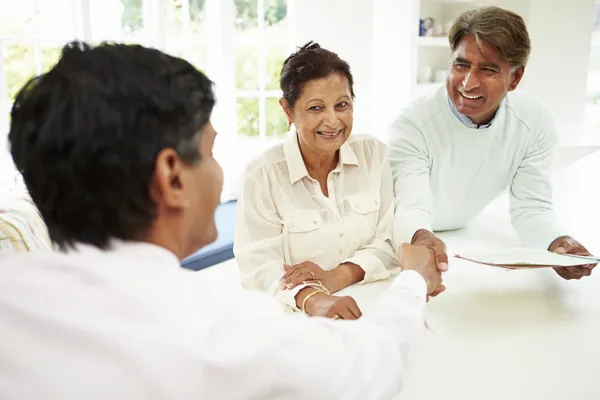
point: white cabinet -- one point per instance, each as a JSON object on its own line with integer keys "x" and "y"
{"x": 433, "y": 48}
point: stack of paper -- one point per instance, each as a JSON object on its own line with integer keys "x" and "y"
{"x": 518, "y": 258}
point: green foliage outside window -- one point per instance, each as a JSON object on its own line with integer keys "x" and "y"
{"x": 19, "y": 60}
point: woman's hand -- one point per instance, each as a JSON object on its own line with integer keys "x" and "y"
{"x": 335, "y": 280}
{"x": 306, "y": 272}
{"x": 335, "y": 307}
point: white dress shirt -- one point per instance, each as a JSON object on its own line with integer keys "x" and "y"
{"x": 283, "y": 217}
{"x": 446, "y": 172}
{"x": 129, "y": 323}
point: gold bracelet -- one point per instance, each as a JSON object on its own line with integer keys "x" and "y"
{"x": 308, "y": 297}
{"x": 316, "y": 285}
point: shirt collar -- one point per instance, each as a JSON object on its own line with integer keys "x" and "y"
{"x": 468, "y": 122}
{"x": 132, "y": 253}
{"x": 295, "y": 163}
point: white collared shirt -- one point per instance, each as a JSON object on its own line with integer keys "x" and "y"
{"x": 283, "y": 217}
{"x": 129, "y": 323}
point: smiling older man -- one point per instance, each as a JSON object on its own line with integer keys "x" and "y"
{"x": 454, "y": 151}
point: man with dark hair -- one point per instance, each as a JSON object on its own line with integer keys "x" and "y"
{"x": 115, "y": 146}
{"x": 454, "y": 151}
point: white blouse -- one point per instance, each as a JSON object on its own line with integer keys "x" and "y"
{"x": 283, "y": 217}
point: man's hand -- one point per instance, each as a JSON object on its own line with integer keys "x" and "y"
{"x": 568, "y": 245}
{"x": 422, "y": 259}
{"x": 326, "y": 305}
{"x": 423, "y": 237}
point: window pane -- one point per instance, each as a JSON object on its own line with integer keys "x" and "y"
{"x": 131, "y": 16}
{"x": 17, "y": 18}
{"x": 277, "y": 123}
{"x": 276, "y": 35}
{"x": 19, "y": 67}
{"x": 275, "y": 11}
{"x": 246, "y": 14}
{"x": 184, "y": 24}
{"x": 246, "y": 67}
{"x": 247, "y": 116}
{"x": 50, "y": 56}
{"x": 119, "y": 20}
{"x": 56, "y": 19}
{"x": 197, "y": 10}
{"x": 198, "y": 56}
{"x": 275, "y": 58}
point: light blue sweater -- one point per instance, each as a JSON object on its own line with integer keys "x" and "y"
{"x": 445, "y": 172}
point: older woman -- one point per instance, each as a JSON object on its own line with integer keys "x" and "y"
{"x": 315, "y": 213}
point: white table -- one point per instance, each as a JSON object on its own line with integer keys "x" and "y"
{"x": 507, "y": 335}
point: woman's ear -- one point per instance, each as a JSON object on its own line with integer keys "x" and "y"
{"x": 288, "y": 110}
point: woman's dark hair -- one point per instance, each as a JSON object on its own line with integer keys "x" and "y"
{"x": 309, "y": 62}
{"x": 86, "y": 134}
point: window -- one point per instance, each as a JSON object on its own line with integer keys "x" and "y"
{"x": 592, "y": 111}
{"x": 239, "y": 44}
{"x": 254, "y": 35}
{"x": 261, "y": 32}
{"x": 32, "y": 32}
{"x": 31, "y": 36}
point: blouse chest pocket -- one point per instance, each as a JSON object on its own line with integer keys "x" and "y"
{"x": 362, "y": 215}
{"x": 303, "y": 235}
{"x": 364, "y": 203}
{"x": 302, "y": 221}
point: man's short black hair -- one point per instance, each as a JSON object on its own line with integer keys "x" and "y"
{"x": 86, "y": 134}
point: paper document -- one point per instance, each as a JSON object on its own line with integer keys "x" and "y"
{"x": 520, "y": 257}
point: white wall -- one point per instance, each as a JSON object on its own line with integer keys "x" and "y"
{"x": 395, "y": 25}
{"x": 377, "y": 38}
{"x": 344, "y": 27}
{"x": 558, "y": 67}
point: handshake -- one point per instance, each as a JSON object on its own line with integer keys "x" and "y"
{"x": 426, "y": 255}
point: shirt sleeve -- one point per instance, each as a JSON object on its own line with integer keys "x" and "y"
{"x": 378, "y": 257}
{"x": 411, "y": 165}
{"x": 531, "y": 205}
{"x": 258, "y": 243}
{"x": 313, "y": 357}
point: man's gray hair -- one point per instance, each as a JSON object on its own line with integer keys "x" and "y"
{"x": 503, "y": 29}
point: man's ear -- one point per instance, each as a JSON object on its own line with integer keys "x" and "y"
{"x": 287, "y": 109}
{"x": 167, "y": 181}
{"x": 516, "y": 77}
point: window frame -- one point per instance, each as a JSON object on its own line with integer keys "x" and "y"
{"x": 220, "y": 15}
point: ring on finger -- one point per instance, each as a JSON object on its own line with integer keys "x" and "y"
{"x": 318, "y": 282}
{"x": 336, "y": 316}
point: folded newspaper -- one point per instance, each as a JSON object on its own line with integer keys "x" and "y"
{"x": 517, "y": 258}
